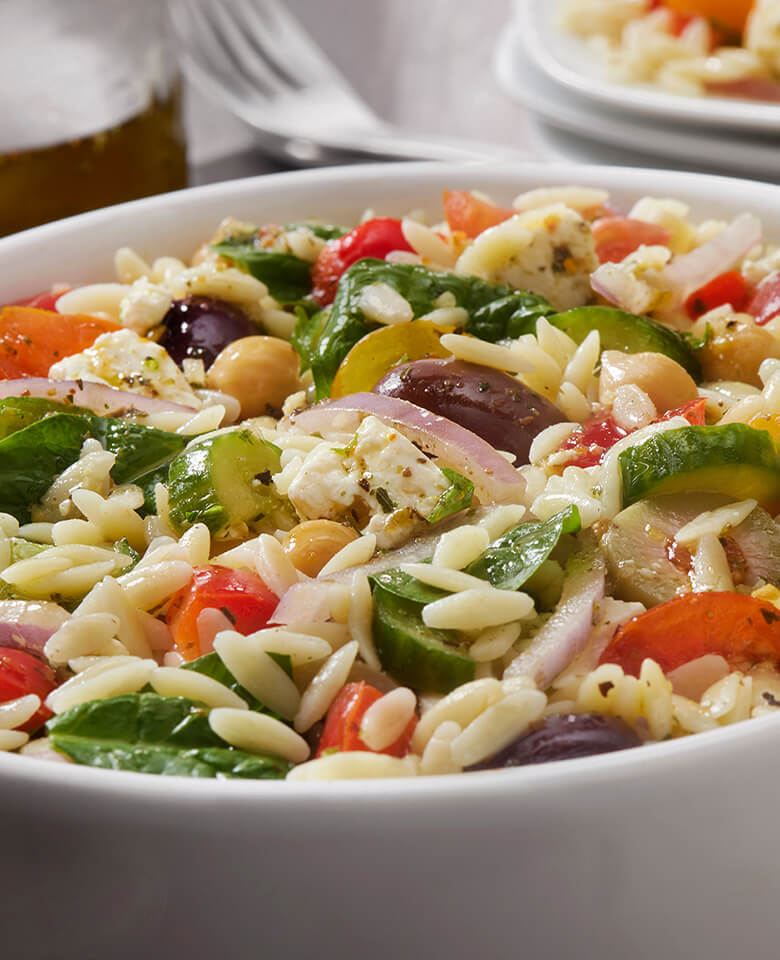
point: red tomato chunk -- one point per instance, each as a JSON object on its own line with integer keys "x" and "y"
{"x": 22, "y": 673}
{"x": 342, "y": 724}
{"x": 240, "y": 594}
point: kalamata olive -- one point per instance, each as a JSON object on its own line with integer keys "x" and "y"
{"x": 488, "y": 402}
{"x": 200, "y": 327}
{"x": 564, "y": 736}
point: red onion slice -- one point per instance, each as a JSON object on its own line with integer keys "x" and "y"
{"x": 748, "y": 88}
{"x": 102, "y": 399}
{"x": 28, "y": 624}
{"x": 692, "y": 270}
{"x": 494, "y": 478}
{"x": 567, "y": 631}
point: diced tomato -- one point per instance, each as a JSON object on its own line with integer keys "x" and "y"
{"x": 616, "y": 237}
{"x": 471, "y": 215}
{"x": 342, "y": 724}
{"x": 374, "y": 238}
{"x": 240, "y": 594}
{"x": 693, "y": 411}
{"x": 592, "y": 441}
{"x": 730, "y": 287}
{"x": 31, "y": 340}
{"x": 765, "y": 302}
{"x": 46, "y": 300}
{"x": 22, "y": 673}
{"x": 738, "y": 627}
{"x": 731, "y": 14}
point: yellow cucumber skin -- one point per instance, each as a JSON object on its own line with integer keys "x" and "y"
{"x": 215, "y": 482}
{"x": 733, "y": 459}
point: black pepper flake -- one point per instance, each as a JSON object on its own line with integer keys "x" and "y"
{"x": 364, "y": 484}
{"x": 263, "y": 477}
{"x": 605, "y": 687}
{"x": 771, "y": 699}
{"x": 770, "y": 616}
{"x": 228, "y": 613}
{"x": 483, "y": 386}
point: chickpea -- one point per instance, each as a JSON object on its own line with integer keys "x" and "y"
{"x": 260, "y": 372}
{"x": 312, "y": 543}
{"x": 737, "y": 351}
{"x": 666, "y": 383}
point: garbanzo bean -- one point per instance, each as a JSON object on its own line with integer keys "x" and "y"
{"x": 260, "y": 372}
{"x": 737, "y": 350}
{"x": 666, "y": 383}
{"x": 312, "y": 543}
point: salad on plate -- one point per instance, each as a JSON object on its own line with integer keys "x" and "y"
{"x": 395, "y": 498}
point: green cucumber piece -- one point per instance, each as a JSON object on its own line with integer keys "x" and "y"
{"x": 733, "y": 459}
{"x": 223, "y": 480}
{"x": 619, "y": 330}
{"x": 420, "y": 657}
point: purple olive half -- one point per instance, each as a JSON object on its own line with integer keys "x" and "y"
{"x": 200, "y": 327}
{"x": 490, "y": 403}
{"x": 564, "y": 737}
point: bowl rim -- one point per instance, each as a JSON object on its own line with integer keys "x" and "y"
{"x": 649, "y": 761}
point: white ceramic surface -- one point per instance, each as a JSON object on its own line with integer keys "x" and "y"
{"x": 666, "y": 851}
{"x": 568, "y": 61}
{"x": 699, "y": 148}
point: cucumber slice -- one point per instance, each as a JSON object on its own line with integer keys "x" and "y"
{"x": 733, "y": 459}
{"x": 628, "y": 332}
{"x": 223, "y": 480}
{"x": 417, "y": 656}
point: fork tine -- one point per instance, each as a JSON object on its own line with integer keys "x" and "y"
{"x": 256, "y": 20}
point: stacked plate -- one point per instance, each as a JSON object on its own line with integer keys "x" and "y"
{"x": 577, "y": 114}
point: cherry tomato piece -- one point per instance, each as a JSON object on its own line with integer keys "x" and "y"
{"x": 730, "y": 287}
{"x": 46, "y": 300}
{"x": 592, "y": 441}
{"x": 692, "y": 410}
{"x": 738, "y": 627}
{"x": 240, "y": 594}
{"x": 764, "y": 305}
{"x": 374, "y": 238}
{"x": 471, "y": 215}
{"x": 22, "y": 673}
{"x": 31, "y": 340}
{"x": 342, "y": 724}
{"x": 616, "y": 237}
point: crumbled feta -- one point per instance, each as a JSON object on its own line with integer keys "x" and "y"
{"x": 626, "y": 280}
{"x": 144, "y": 307}
{"x": 381, "y": 480}
{"x": 128, "y": 362}
{"x": 549, "y": 250}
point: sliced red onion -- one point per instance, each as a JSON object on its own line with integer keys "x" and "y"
{"x": 692, "y": 270}
{"x": 307, "y": 602}
{"x": 28, "y": 624}
{"x": 603, "y": 288}
{"x": 103, "y": 399}
{"x": 494, "y": 478}
{"x": 567, "y": 631}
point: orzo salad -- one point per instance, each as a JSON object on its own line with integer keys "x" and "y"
{"x": 395, "y": 498}
{"x": 727, "y": 48}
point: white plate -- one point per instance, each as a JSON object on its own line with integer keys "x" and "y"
{"x": 699, "y": 148}
{"x": 660, "y": 852}
{"x": 569, "y": 61}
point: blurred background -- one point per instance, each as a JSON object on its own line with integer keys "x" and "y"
{"x": 94, "y": 108}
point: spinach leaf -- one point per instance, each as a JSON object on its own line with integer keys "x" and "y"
{"x": 420, "y": 287}
{"x": 138, "y": 449}
{"x": 32, "y": 457}
{"x": 16, "y": 413}
{"x": 516, "y": 556}
{"x": 508, "y": 317}
{"x": 287, "y": 277}
{"x": 455, "y": 498}
{"x": 123, "y": 546}
{"x": 152, "y": 734}
{"x": 308, "y": 327}
{"x": 407, "y": 587}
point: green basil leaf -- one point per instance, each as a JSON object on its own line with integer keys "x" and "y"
{"x": 516, "y": 556}
{"x": 454, "y": 499}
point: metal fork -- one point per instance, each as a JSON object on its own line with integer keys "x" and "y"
{"x": 254, "y": 58}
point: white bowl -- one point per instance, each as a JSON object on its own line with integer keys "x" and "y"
{"x": 665, "y": 851}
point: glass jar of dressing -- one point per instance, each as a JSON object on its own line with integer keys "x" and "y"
{"x": 89, "y": 108}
